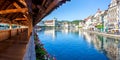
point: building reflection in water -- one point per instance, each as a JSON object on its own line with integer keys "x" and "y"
{"x": 80, "y": 33}
{"x": 50, "y": 32}
{"x": 65, "y": 31}
{"x": 109, "y": 46}
{"x": 69, "y": 30}
{"x": 87, "y": 36}
{"x": 106, "y": 45}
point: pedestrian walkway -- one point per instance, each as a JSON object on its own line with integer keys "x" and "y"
{"x": 14, "y": 48}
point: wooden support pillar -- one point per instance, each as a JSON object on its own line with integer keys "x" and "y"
{"x": 10, "y": 27}
{"x": 18, "y": 29}
{"x": 30, "y": 27}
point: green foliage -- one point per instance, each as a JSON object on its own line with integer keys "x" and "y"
{"x": 76, "y": 22}
{"x": 79, "y": 27}
{"x": 66, "y": 21}
{"x": 100, "y": 26}
{"x": 39, "y": 49}
{"x": 73, "y": 22}
{"x": 40, "y": 52}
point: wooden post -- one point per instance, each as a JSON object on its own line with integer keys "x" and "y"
{"x": 30, "y": 27}
{"x": 10, "y": 28}
{"x": 18, "y": 29}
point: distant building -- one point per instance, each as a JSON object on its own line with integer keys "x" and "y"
{"x": 50, "y": 23}
{"x": 97, "y": 22}
{"x": 81, "y": 24}
{"x": 105, "y": 20}
{"x": 65, "y": 25}
{"x": 113, "y": 14}
{"x": 100, "y": 20}
{"x": 88, "y": 23}
{"x": 97, "y": 17}
{"x": 119, "y": 15}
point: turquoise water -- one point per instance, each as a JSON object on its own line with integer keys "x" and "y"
{"x": 77, "y": 45}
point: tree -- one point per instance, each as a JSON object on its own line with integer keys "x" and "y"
{"x": 76, "y": 22}
{"x": 100, "y": 26}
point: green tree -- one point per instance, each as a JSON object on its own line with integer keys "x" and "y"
{"x": 76, "y": 22}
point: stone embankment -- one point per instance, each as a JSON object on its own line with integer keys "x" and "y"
{"x": 103, "y": 34}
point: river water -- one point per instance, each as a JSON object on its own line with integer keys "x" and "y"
{"x": 74, "y": 44}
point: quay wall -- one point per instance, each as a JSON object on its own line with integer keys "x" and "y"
{"x": 30, "y": 49}
{"x": 102, "y": 34}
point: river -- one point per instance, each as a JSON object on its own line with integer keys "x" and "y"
{"x": 74, "y": 44}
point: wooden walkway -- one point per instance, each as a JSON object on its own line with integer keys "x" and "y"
{"x": 14, "y": 48}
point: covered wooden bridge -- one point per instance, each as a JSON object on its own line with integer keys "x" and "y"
{"x": 18, "y": 44}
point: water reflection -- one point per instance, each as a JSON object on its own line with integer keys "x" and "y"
{"x": 106, "y": 45}
{"x": 87, "y": 37}
{"x": 81, "y": 43}
{"x": 50, "y": 32}
{"x": 66, "y": 30}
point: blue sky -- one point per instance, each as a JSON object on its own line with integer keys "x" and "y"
{"x": 78, "y": 9}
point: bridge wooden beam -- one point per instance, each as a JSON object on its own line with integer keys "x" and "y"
{"x": 21, "y": 19}
{"x": 16, "y": 5}
{"x": 43, "y": 2}
{"x": 23, "y": 2}
{"x": 50, "y": 7}
{"x": 4, "y": 20}
{"x": 23, "y": 10}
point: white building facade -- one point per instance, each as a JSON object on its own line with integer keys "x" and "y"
{"x": 50, "y": 23}
{"x": 113, "y": 15}
{"x": 88, "y": 23}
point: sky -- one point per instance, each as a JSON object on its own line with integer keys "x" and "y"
{"x": 78, "y": 9}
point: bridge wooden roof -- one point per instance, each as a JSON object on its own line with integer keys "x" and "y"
{"x": 22, "y": 11}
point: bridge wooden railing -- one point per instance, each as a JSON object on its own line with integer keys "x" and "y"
{"x": 17, "y": 41}
{"x": 6, "y": 34}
